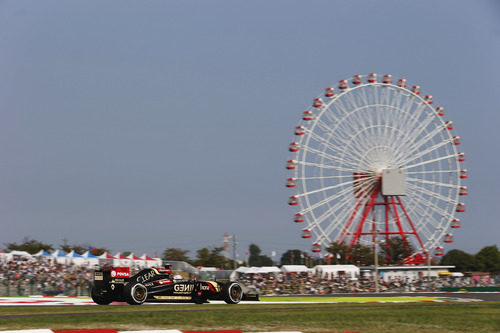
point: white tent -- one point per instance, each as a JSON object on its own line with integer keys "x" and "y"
{"x": 244, "y": 270}
{"x": 18, "y": 254}
{"x": 108, "y": 259}
{"x": 121, "y": 260}
{"x": 136, "y": 261}
{"x": 268, "y": 269}
{"x": 208, "y": 269}
{"x": 59, "y": 256}
{"x": 42, "y": 253}
{"x": 159, "y": 261}
{"x": 258, "y": 270}
{"x": 411, "y": 272}
{"x": 333, "y": 271}
{"x": 432, "y": 274}
{"x": 294, "y": 268}
{"x": 150, "y": 262}
{"x": 90, "y": 259}
{"x": 75, "y": 258}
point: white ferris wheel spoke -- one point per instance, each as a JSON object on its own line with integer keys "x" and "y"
{"x": 431, "y": 205}
{"x": 424, "y": 172}
{"x": 428, "y": 151}
{"x": 324, "y": 166}
{"x": 424, "y": 140}
{"x": 423, "y": 181}
{"x": 341, "y": 205}
{"x": 329, "y": 145}
{"x": 324, "y": 155}
{"x": 433, "y": 224}
{"x": 431, "y": 161}
{"x": 323, "y": 189}
{"x": 429, "y": 193}
{"x": 325, "y": 201}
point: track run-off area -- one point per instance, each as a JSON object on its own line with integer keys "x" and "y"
{"x": 337, "y": 298}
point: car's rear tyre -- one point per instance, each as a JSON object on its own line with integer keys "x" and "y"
{"x": 135, "y": 294}
{"x": 100, "y": 297}
{"x": 232, "y": 293}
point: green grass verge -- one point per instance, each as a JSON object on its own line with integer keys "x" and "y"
{"x": 308, "y": 318}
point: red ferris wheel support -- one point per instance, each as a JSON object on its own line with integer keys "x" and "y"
{"x": 396, "y": 221}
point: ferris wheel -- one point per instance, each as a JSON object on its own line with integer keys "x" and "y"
{"x": 375, "y": 159}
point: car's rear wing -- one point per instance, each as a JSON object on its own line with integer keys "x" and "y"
{"x": 122, "y": 273}
{"x": 106, "y": 274}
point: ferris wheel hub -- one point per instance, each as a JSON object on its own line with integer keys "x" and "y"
{"x": 393, "y": 182}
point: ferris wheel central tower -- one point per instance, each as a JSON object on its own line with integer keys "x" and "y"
{"x": 374, "y": 160}
{"x": 380, "y": 205}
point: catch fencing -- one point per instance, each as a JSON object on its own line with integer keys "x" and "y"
{"x": 34, "y": 286}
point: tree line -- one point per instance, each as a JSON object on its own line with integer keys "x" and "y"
{"x": 393, "y": 252}
{"x": 486, "y": 260}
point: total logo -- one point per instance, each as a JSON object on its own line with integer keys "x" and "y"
{"x": 120, "y": 273}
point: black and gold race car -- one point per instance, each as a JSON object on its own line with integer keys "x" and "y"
{"x": 116, "y": 284}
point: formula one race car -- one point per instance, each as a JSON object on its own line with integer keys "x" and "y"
{"x": 157, "y": 285}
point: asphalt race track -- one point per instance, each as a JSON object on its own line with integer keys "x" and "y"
{"x": 343, "y": 298}
{"x": 483, "y": 296}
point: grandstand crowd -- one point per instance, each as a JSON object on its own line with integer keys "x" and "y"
{"x": 310, "y": 284}
{"x": 45, "y": 276}
{"x": 21, "y": 277}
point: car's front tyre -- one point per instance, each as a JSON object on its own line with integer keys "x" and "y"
{"x": 232, "y": 293}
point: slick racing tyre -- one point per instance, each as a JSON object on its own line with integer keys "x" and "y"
{"x": 135, "y": 294}
{"x": 232, "y": 293}
{"x": 100, "y": 297}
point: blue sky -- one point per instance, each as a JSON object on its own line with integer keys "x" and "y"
{"x": 142, "y": 125}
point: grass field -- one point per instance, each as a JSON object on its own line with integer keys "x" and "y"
{"x": 305, "y": 317}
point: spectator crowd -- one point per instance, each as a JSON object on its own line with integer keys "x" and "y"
{"x": 42, "y": 276}
{"x": 310, "y": 284}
